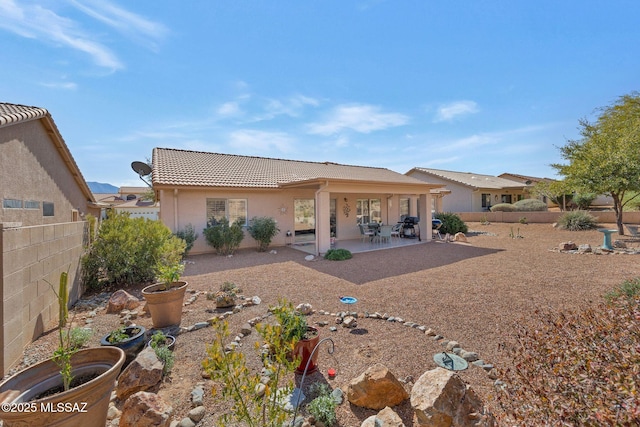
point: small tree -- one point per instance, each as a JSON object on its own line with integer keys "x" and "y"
{"x": 606, "y": 160}
{"x": 263, "y": 229}
{"x": 189, "y": 235}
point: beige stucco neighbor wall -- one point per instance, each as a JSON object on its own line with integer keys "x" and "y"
{"x": 31, "y": 256}
{"x": 604, "y": 217}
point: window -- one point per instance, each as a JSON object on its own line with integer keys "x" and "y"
{"x": 11, "y": 204}
{"x": 47, "y": 209}
{"x": 486, "y": 200}
{"x": 232, "y": 209}
{"x": 31, "y": 204}
{"x": 368, "y": 210}
{"x": 404, "y": 207}
{"x": 506, "y": 198}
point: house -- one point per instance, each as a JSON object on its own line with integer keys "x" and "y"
{"x": 42, "y": 232}
{"x": 312, "y": 202}
{"x": 129, "y": 199}
{"x": 472, "y": 192}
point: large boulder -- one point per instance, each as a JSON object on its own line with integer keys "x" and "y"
{"x": 441, "y": 399}
{"x": 122, "y": 300}
{"x": 144, "y": 373}
{"x": 144, "y": 409}
{"x": 385, "y": 418}
{"x": 376, "y": 388}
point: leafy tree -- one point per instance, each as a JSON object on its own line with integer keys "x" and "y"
{"x": 556, "y": 191}
{"x": 606, "y": 160}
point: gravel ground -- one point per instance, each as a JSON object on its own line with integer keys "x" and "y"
{"x": 468, "y": 292}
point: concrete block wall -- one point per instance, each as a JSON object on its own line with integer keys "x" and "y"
{"x": 604, "y": 217}
{"x": 32, "y": 257}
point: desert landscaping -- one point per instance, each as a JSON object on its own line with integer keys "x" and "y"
{"x": 469, "y": 292}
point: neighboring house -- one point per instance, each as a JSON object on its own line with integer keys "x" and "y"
{"x": 131, "y": 200}
{"x": 471, "y": 192}
{"x": 40, "y": 182}
{"x": 42, "y": 233}
{"x": 311, "y": 201}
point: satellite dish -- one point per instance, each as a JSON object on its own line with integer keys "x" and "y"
{"x": 141, "y": 168}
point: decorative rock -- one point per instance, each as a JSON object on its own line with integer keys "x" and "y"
{"x": 304, "y": 308}
{"x": 245, "y": 329}
{"x": 187, "y": 422}
{"x": 256, "y": 300}
{"x": 385, "y": 418}
{"x": 349, "y": 322}
{"x": 309, "y": 258}
{"x": 567, "y": 246}
{"x": 469, "y": 356}
{"x": 441, "y": 398}
{"x": 452, "y": 344}
{"x": 121, "y": 300}
{"x": 144, "y": 373}
{"x": 197, "y": 396}
{"x": 197, "y": 414}
{"x": 337, "y": 395}
{"x": 376, "y": 388}
{"x": 113, "y": 412}
{"x": 460, "y": 237}
{"x": 333, "y": 329}
{"x": 144, "y": 409}
{"x": 586, "y": 248}
{"x": 430, "y": 332}
{"x": 260, "y": 389}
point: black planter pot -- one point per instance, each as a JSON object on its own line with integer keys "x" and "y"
{"x": 130, "y": 346}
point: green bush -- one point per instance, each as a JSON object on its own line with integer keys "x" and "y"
{"x": 503, "y": 207}
{"x": 628, "y": 288}
{"x": 167, "y": 358}
{"x": 577, "y": 221}
{"x": 323, "y": 407}
{"x": 338, "y": 254}
{"x": 224, "y": 238}
{"x": 583, "y": 201}
{"x": 451, "y": 223}
{"x": 127, "y": 251}
{"x": 189, "y": 235}
{"x": 575, "y": 367}
{"x": 530, "y": 205}
{"x": 263, "y": 229}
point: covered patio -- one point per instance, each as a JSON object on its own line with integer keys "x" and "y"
{"x": 358, "y": 245}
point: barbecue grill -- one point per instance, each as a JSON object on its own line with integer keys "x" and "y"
{"x": 411, "y": 227}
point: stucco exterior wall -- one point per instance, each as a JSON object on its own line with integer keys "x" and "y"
{"x": 31, "y": 256}
{"x": 31, "y": 168}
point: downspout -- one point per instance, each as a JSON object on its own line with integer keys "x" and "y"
{"x": 326, "y": 184}
{"x": 175, "y": 210}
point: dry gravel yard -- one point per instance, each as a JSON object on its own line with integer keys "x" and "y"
{"x": 471, "y": 293}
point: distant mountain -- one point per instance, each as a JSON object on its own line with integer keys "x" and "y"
{"x": 102, "y": 188}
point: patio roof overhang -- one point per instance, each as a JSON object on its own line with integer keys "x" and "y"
{"x": 354, "y": 185}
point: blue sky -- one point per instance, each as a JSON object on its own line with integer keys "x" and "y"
{"x": 478, "y": 86}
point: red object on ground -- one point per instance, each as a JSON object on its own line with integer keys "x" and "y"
{"x": 332, "y": 373}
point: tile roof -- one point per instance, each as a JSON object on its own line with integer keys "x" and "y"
{"x": 195, "y": 168}
{"x": 469, "y": 179}
{"x": 14, "y": 113}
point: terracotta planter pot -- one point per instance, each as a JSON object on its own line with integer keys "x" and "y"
{"x": 303, "y": 349}
{"x": 165, "y": 306}
{"x": 130, "y": 346}
{"x": 83, "y": 406}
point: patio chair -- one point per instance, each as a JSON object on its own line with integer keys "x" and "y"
{"x": 385, "y": 233}
{"x": 395, "y": 230}
{"x": 364, "y": 233}
{"x": 633, "y": 229}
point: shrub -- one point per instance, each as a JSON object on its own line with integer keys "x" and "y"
{"x": 127, "y": 250}
{"x": 529, "y": 205}
{"x": 577, "y": 220}
{"x": 338, "y": 254}
{"x": 583, "y": 201}
{"x": 189, "y": 235}
{"x": 263, "y": 229}
{"x": 577, "y": 367}
{"x": 79, "y": 337}
{"x": 451, "y": 223}
{"x": 323, "y": 407}
{"x": 628, "y": 288}
{"x": 167, "y": 358}
{"x": 224, "y": 238}
{"x": 503, "y": 207}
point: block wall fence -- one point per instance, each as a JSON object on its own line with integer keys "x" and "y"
{"x": 30, "y": 258}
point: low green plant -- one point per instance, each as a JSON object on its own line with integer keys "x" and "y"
{"x": 484, "y": 220}
{"x": 338, "y": 254}
{"x": 263, "y": 229}
{"x": 323, "y": 408}
{"x": 530, "y": 205}
{"x": 577, "y": 221}
{"x": 574, "y": 367}
{"x": 79, "y": 337}
{"x": 254, "y": 403}
{"x": 628, "y": 288}
{"x": 189, "y": 235}
{"x": 167, "y": 358}
{"x": 158, "y": 339}
{"x": 127, "y": 250}
{"x": 225, "y": 238}
{"x": 294, "y": 324}
{"x": 451, "y": 223}
{"x": 523, "y": 220}
{"x": 166, "y": 274}
{"x": 503, "y": 207}
{"x": 121, "y": 334}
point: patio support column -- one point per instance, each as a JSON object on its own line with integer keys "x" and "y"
{"x": 323, "y": 224}
{"x": 424, "y": 202}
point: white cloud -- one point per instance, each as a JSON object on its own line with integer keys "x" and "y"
{"x": 229, "y": 109}
{"x": 292, "y": 106}
{"x": 358, "y": 117}
{"x": 449, "y": 112}
{"x": 61, "y": 85}
{"x": 250, "y": 141}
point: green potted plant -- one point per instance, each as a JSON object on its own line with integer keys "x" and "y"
{"x": 160, "y": 339}
{"x": 295, "y": 328}
{"x": 165, "y": 298}
{"x": 73, "y": 388}
{"x": 129, "y": 338}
